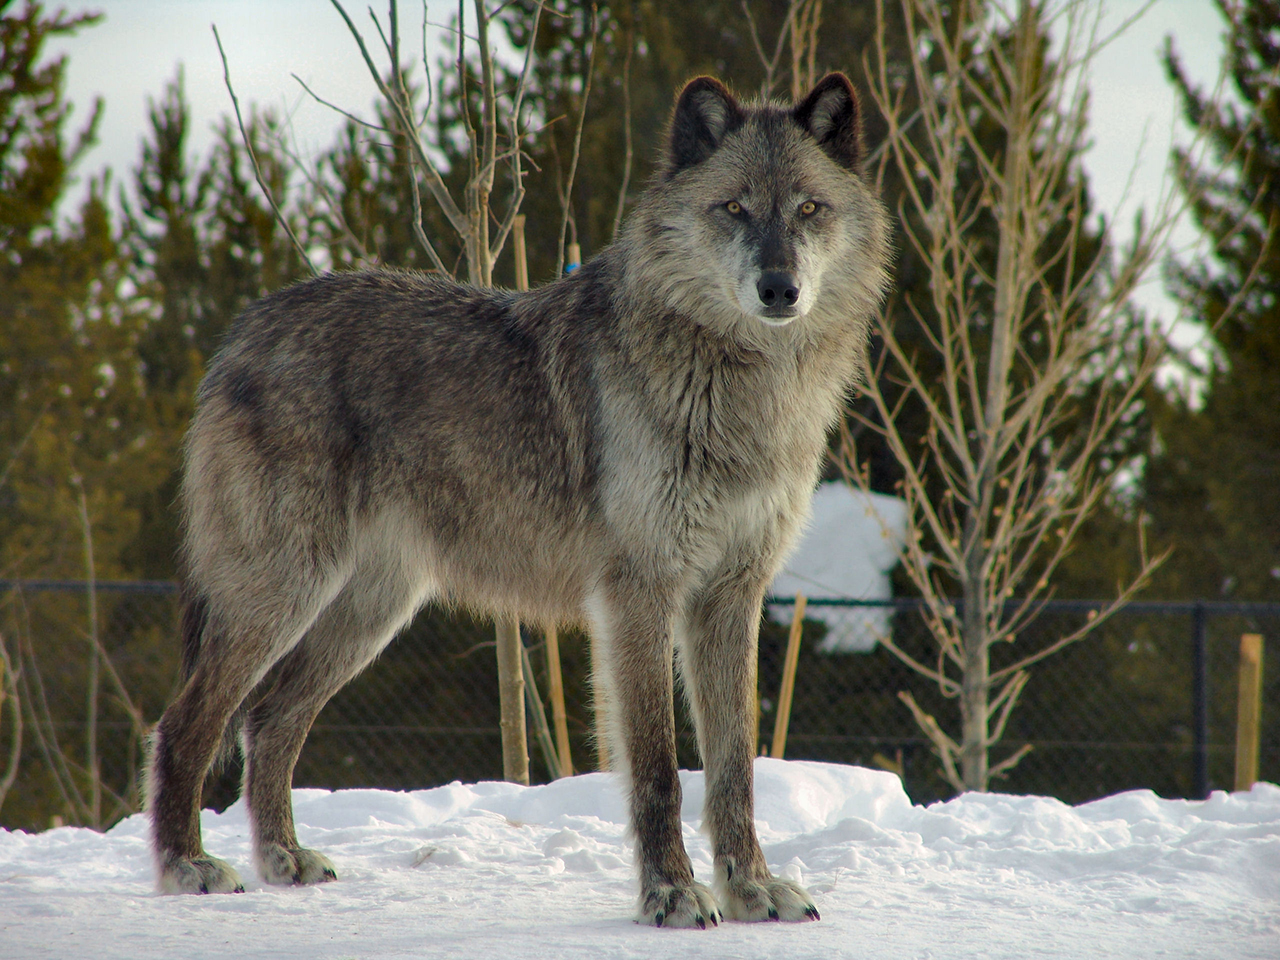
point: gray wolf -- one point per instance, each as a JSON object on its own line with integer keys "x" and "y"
{"x": 632, "y": 447}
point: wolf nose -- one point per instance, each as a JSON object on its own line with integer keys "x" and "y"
{"x": 778, "y": 289}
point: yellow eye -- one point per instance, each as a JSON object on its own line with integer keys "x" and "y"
{"x": 734, "y": 207}
{"x": 808, "y": 208}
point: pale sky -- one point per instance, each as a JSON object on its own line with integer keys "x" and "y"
{"x": 130, "y": 57}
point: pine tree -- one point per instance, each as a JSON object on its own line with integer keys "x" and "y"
{"x": 73, "y": 410}
{"x": 77, "y": 433}
{"x": 203, "y": 244}
{"x": 1210, "y": 486}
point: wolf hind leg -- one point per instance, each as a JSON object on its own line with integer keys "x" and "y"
{"x": 718, "y": 659}
{"x": 230, "y": 661}
{"x": 183, "y": 747}
{"x": 349, "y": 634}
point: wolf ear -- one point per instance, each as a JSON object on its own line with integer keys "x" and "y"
{"x": 705, "y": 112}
{"x": 831, "y": 116}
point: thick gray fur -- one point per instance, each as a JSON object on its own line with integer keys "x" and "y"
{"x": 632, "y": 447}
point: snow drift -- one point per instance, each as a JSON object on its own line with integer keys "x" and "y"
{"x": 494, "y": 870}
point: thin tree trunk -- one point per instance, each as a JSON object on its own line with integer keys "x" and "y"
{"x": 974, "y": 687}
{"x": 92, "y": 766}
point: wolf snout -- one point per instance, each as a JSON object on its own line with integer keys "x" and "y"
{"x": 777, "y": 288}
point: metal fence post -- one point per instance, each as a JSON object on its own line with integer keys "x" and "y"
{"x": 1200, "y": 702}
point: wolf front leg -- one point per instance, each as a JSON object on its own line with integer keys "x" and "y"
{"x": 629, "y": 618}
{"x": 718, "y": 656}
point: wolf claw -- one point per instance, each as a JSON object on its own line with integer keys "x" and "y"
{"x": 770, "y": 899}
{"x": 199, "y": 875}
{"x": 293, "y": 866}
{"x": 690, "y": 905}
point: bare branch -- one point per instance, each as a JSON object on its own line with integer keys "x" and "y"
{"x": 947, "y": 748}
{"x": 10, "y": 694}
{"x": 21, "y": 444}
{"x": 92, "y": 765}
{"x": 628, "y": 151}
{"x": 407, "y": 126}
{"x": 40, "y": 718}
{"x": 1007, "y": 764}
{"x": 566, "y": 196}
{"x": 350, "y": 116}
{"x": 515, "y": 135}
{"x": 420, "y": 233}
{"x": 253, "y": 159}
{"x": 770, "y": 63}
{"x": 317, "y": 182}
{"x": 392, "y": 46}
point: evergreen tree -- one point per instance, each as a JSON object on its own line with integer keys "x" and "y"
{"x": 204, "y": 244}
{"x": 77, "y": 430}
{"x": 72, "y": 405}
{"x": 1209, "y": 487}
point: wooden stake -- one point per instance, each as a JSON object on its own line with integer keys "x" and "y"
{"x": 518, "y": 248}
{"x": 1249, "y": 711}
{"x": 538, "y": 716}
{"x": 558, "y": 717}
{"x": 788, "y": 680}
{"x": 511, "y": 685}
{"x": 515, "y": 743}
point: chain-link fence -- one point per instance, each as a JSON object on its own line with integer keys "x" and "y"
{"x": 1147, "y": 701}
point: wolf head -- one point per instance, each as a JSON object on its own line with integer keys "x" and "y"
{"x": 759, "y": 216}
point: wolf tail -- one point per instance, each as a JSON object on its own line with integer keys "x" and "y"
{"x": 196, "y": 628}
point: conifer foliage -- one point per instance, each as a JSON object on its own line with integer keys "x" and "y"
{"x": 73, "y": 414}
{"x": 1210, "y": 485}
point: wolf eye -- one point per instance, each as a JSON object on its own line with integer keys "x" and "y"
{"x": 734, "y": 207}
{"x": 808, "y": 208}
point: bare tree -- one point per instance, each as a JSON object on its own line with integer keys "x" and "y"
{"x": 473, "y": 219}
{"x": 798, "y": 37}
{"x": 1024, "y": 376}
{"x": 81, "y": 787}
{"x": 10, "y": 694}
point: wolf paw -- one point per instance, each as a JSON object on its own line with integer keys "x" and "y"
{"x": 293, "y": 866}
{"x": 753, "y": 900}
{"x": 678, "y": 905}
{"x": 198, "y": 875}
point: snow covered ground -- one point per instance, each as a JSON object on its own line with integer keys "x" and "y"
{"x": 493, "y": 871}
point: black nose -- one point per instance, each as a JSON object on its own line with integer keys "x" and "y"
{"x": 778, "y": 289}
